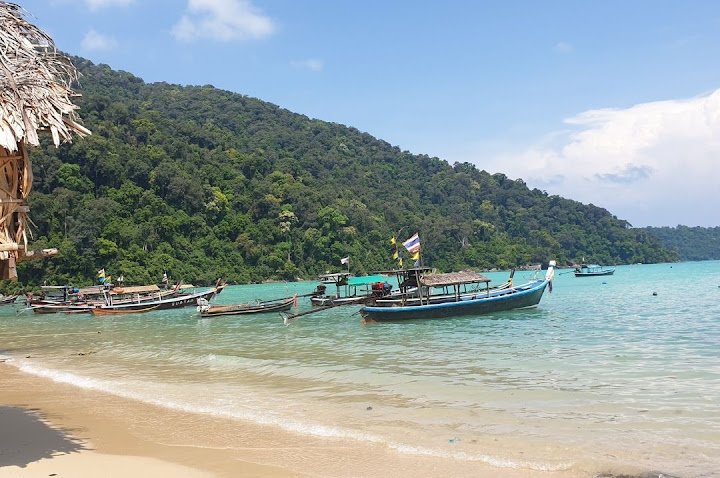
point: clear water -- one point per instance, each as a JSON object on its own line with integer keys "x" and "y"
{"x": 601, "y": 374}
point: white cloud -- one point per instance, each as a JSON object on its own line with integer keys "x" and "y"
{"x": 311, "y": 64}
{"x": 222, "y": 20}
{"x": 97, "y": 41}
{"x": 562, "y": 47}
{"x": 93, "y": 5}
{"x": 98, "y": 4}
{"x": 652, "y": 164}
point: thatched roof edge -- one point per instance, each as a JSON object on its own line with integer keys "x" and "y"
{"x": 35, "y": 81}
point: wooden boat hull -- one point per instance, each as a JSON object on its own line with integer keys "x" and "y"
{"x": 61, "y": 308}
{"x": 127, "y": 310}
{"x": 515, "y": 298}
{"x": 326, "y": 301}
{"x": 246, "y": 309}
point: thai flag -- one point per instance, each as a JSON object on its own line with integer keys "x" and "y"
{"x": 413, "y": 244}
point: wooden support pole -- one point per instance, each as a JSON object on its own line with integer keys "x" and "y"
{"x": 37, "y": 254}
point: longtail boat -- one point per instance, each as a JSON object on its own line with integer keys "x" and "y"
{"x": 454, "y": 294}
{"x": 71, "y": 300}
{"x": 207, "y": 310}
{"x": 176, "y": 301}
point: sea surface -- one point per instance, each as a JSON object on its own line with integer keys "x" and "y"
{"x": 606, "y": 373}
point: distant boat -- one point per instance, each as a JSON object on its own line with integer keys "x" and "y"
{"x": 454, "y": 294}
{"x": 590, "y": 270}
{"x": 7, "y": 299}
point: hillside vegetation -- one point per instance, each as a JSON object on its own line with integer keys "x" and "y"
{"x": 205, "y": 183}
{"x": 690, "y": 243}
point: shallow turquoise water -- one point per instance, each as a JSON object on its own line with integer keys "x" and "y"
{"x": 602, "y": 373}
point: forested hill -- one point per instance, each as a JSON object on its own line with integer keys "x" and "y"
{"x": 690, "y": 243}
{"x": 206, "y": 183}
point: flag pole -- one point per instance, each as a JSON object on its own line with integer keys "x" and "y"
{"x": 397, "y": 249}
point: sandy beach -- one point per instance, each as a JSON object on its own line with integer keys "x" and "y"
{"x": 50, "y": 429}
{"x": 54, "y": 429}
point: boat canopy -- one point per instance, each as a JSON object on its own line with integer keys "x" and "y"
{"x": 94, "y": 289}
{"x": 365, "y": 280}
{"x": 452, "y": 278}
{"x": 335, "y": 277}
{"x": 136, "y": 289}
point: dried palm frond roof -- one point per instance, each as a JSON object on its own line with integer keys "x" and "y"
{"x": 453, "y": 278}
{"x": 35, "y": 83}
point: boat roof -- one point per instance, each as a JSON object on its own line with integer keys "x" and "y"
{"x": 334, "y": 276}
{"x": 135, "y": 289}
{"x": 452, "y": 278}
{"x": 364, "y": 280}
{"x": 93, "y": 289}
{"x": 403, "y": 271}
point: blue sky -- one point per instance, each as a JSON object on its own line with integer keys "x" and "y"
{"x": 614, "y": 103}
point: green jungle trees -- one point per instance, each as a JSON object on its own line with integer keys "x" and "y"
{"x": 690, "y": 243}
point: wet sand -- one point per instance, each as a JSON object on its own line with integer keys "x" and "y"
{"x": 50, "y": 429}
{"x": 55, "y": 429}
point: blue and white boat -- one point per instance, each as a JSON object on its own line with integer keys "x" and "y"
{"x": 591, "y": 270}
{"x": 440, "y": 296}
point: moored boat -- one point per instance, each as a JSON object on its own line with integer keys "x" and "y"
{"x": 208, "y": 310}
{"x": 7, "y": 299}
{"x": 590, "y": 270}
{"x": 71, "y": 300}
{"x": 349, "y": 289}
{"x": 173, "y": 302}
{"x": 456, "y": 294}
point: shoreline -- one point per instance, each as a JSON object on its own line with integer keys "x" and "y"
{"x": 62, "y": 429}
{"x": 92, "y": 432}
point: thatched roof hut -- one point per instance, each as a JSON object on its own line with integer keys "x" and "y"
{"x": 35, "y": 96}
